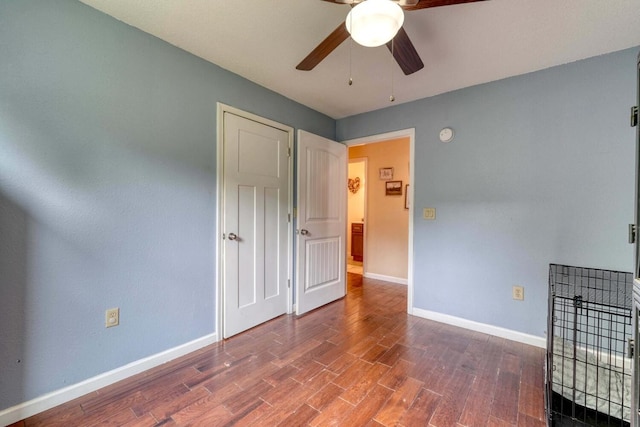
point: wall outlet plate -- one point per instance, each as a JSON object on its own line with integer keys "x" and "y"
{"x": 112, "y": 317}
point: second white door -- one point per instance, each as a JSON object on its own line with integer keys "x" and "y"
{"x": 321, "y": 228}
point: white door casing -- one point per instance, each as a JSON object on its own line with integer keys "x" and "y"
{"x": 321, "y": 228}
{"x": 255, "y": 225}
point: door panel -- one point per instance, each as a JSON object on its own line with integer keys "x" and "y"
{"x": 272, "y": 211}
{"x": 322, "y": 262}
{"x": 245, "y": 251}
{"x": 255, "y": 223}
{"x": 321, "y": 236}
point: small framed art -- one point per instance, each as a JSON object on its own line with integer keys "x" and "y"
{"x": 393, "y": 188}
{"x": 407, "y": 202}
{"x": 386, "y": 173}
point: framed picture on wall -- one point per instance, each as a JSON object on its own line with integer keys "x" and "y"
{"x": 393, "y": 188}
{"x": 406, "y": 197}
{"x": 385, "y": 173}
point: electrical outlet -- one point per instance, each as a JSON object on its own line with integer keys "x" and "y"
{"x": 518, "y": 293}
{"x": 112, "y": 317}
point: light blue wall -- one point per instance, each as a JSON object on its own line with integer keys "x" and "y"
{"x": 107, "y": 192}
{"x": 541, "y": 171}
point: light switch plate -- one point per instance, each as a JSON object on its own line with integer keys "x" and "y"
{"x": 518, "y": 293}
{"x": 429, "y": 213}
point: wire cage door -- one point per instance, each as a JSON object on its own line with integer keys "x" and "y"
{"x": 589, "y": 369}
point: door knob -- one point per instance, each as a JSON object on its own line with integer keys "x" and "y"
{"x": 304, "y": 232}
{"x": 233, "y": 236}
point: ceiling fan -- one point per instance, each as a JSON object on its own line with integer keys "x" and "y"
{"x": 402, "y": 48}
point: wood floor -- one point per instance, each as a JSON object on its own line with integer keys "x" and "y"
{"x": 361, "y": 361}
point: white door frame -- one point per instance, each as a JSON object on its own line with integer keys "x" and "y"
{"x": 411, "y": 134}
{"x": 219, "y": 288}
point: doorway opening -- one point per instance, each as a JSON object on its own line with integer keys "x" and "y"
{"x": 356, "y": 208}
{"x": 387, "y": 212}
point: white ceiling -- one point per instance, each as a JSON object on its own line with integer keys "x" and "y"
{"x": 461, "y": 45}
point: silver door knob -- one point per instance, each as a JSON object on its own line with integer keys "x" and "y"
{"x": 233, "y": 236}
{"x": 304, "y": 232}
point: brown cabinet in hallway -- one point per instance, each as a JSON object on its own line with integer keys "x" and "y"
{"x": 357, "y": 240}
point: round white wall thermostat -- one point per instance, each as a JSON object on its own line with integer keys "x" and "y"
{"x": 446, "y": 135}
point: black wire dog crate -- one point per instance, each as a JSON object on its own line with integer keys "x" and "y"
{"x": 589, "y": 347}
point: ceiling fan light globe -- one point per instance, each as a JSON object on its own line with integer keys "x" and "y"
{"x": 374, "y": 22}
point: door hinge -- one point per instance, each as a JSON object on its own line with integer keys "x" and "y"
{"x": 288, "y": 283}
{"x": 289, "y": 152}
{"x": 632, "y": 233}
{"x": 631, "y": 348}
{"x": 634, "y": 116}
{"x": 288, "y": 217}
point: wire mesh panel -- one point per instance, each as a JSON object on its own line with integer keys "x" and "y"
{"x": 589, "y": 368}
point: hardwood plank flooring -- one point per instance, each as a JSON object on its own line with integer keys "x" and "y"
{"x": 360, "y": 361}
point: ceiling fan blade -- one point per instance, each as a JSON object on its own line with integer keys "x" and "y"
{"x": 423, "y": 4}
{"x": 327, "y": 46}
{"x": 405, "y": 53}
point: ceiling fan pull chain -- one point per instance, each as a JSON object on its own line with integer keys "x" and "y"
{"x": 392, "y": 98}
{"x": 350, "y": 53}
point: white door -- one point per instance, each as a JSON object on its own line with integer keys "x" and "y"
{"x": 255, "y": 223}
{"x": 321, "y": 228}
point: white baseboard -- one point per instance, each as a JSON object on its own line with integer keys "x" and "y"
{"x": 481, "y": 327}
{"x": 63, "y": 395}
{"x": 398, "y": 280}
